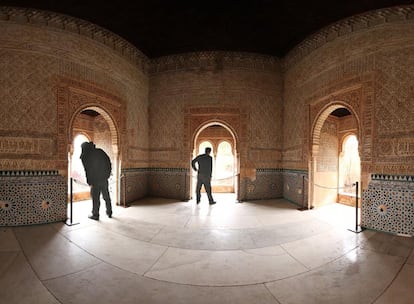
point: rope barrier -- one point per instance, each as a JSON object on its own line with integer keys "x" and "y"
{"x": 217, "y": 179}
{"x": 69, "y": 221}
{"x": 334, "y": 188}
{"x": 79, "y": 182}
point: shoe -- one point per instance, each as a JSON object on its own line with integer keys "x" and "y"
{"x": 94, "y": 217}
{"x": 212, "y": 203}
{"x": 198, "y": 202}
{"x": 109, "y": 214}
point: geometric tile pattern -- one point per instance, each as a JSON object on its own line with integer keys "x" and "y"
{"x": 173, "y": 183}
{"x": 133, "y": 184}
{"x": 266, "y": 185}
{"x": 168, "y": 182}
{"x": 32, "y": 197}
{"x": 160, "y": 182}
{"x": 387, "y": 204}
{"x": 295, "y": 186}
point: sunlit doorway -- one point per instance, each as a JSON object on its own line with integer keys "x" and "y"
{"x": 349, "y": 170}
{"x": 223, "y": 144}
{"x": 335, "y": 164}
{"x": 93, "y": 124}
{"x": 80, "y": 190}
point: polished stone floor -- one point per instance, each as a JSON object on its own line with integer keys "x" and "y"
{"x": 165, "y": 251}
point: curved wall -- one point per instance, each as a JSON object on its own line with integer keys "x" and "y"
{"x": 239, "y": 90}
{"x": 51, "y": 67}
{"x": 367, "y": 64}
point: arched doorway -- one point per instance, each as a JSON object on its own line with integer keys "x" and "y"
{"x": 93, "y": 123}
{"x": 223, "y": 143}
{"x": 349, "y": 169}
{"x": 80, "y": 189}
{"x": 331, "y": 127}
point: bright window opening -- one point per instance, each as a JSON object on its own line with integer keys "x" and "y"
{"x": 78, "y": 172}
{"x": 349, "y": 165}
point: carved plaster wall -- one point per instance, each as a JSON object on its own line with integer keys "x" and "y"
{"x": 365, "y": 64}
{"x": 51, "y": 68}
{"x": 240, "y": 91}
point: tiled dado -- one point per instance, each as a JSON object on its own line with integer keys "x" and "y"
{"x": 266, "y": 185}
{"x": 134, "y": 184}
{"x": 161, "y": 182}
{"x": 295, "y": 186}
{"x": 32, "y": 197}
{"x": 169, "y": 183}
{"x": 276, "y": 183}
{"x": 387, "y": 204}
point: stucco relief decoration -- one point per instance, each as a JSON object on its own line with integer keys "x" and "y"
{"x": 352, "y": 98}
{"x": 394, "y": 109}
{"x": 75, "y": 95}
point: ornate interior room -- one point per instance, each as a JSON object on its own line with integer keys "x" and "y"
{"x": 308, "y": 107}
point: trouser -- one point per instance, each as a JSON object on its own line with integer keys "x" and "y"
{"x": 96, "y": 190}
{"x": 206, "y": 181}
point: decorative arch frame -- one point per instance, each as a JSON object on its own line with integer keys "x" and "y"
{"x": 229, "y": 129}
{"x": 73, "y": 97}
{"x": 317, "y": 123}
{"x": 215, "y": 123}
{"x": 199, "y": 118}
{"x": 113, "y": 129}
{"x": 323, "y": 115}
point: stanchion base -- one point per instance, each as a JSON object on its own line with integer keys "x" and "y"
{"x": 305, "y": 208}
{"x": 357, "y": 230}
{"x": 68, "y": 223}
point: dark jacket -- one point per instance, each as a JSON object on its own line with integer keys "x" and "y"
{"x": 96, "y": 163}
{"x": 205, "y": 164}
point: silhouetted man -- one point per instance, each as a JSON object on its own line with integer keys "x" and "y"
{"x": 97, "y": 169}
{"x": 204, "y": 170}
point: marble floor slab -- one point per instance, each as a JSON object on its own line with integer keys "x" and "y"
{"x": 223, "y": 268}
{"x": 401, "y": 290}
{"x": 50, "y": 253}
{"x": 19, "y": 284}
{"x": 106, "y": 284}
{"x": 167, "y": 251}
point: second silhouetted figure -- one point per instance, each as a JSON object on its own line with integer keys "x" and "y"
{"x": 97, "y": 169}
{"x": 204, "y": 172}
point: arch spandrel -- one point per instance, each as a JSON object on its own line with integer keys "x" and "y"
{"x": 73, "y": 97}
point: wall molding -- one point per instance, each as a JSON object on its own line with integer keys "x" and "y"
{"x": 56, "y": 21}
{"x": 345, "y": 27}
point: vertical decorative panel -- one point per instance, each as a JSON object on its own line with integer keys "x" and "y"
{"x": 32, "y": 197}
{"x": 168, "y": 182}
{"x": 387, "y": 204}
{"x": 267, "y": 185}
{"x": 295, "y": 186}
{"x": 134, "y": 184}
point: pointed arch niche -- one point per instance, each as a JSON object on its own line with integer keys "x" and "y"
{"x": 333, "y": 125}
{"x": 223, "y": 144}
{"x": 226, "y": 119}
{"x": 87, "y": 110}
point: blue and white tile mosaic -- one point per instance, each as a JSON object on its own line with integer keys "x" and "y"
{"x": 267, "y": 185}
{"x": 388, "y": 204}
{"x": 32, "y": 197}
{"x": 169, "y": 183}
{"x": 295, "y": 186}
{"x": 134, "y": 184}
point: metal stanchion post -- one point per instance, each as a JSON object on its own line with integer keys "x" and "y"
{"x": 125, "y": 190}
{"x": 303, "y": 197}
{"x": 238, "y": 187}
{"x": 71, "y": 205}
{"x": 358, "y": 228}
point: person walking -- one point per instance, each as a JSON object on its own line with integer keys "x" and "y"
{"x": 204, "y": 170}
{"x": 98, "y": 168}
